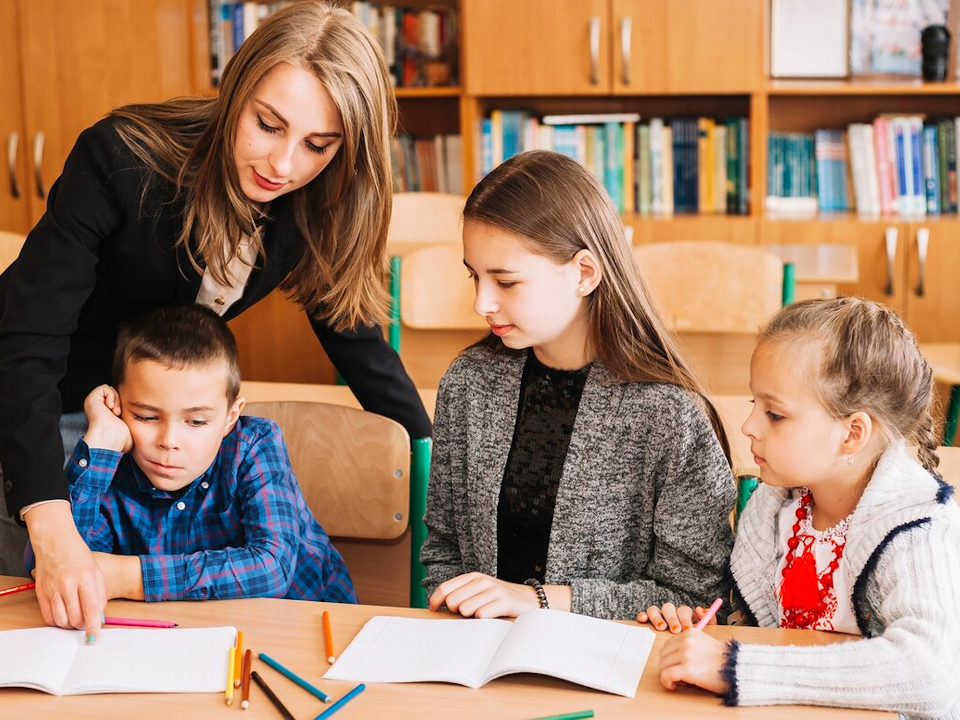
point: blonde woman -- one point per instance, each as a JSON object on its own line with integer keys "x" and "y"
{"x": 283, "y": 180}
{"x": 577, "y": 463}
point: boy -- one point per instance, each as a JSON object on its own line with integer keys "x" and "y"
{"x": 178, "y": 495}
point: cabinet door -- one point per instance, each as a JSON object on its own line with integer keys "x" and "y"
{"x": 536, "y": 47}
{"x": 934, "y": 315}
{"x": 674, "y": 46}
{"x": 82, "y": 59}
{"x": 14, "y": 210}
{"x": 881, "y": 278}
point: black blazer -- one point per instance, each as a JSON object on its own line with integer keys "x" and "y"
{"x": 102, "y": 254}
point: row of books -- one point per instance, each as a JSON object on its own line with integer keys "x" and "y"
{"x": 682, "y": 165}
{"x": 420, "y": 46}
{"x": 428, "y": 164}
{"x": 896, "y": 165}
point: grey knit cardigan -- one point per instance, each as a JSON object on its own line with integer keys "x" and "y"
{"x": 902, "y": 561}
{"x": 643, "y": 503}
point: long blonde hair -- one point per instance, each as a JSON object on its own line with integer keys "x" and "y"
{"x": 343, "y": 214}
{"x": 558, "y": 208}
{"x": 869, "y": 362}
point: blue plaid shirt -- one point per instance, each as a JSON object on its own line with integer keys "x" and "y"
{"x": 242, "y": 529}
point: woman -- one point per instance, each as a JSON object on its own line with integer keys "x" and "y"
{"x": 283, "y": 180}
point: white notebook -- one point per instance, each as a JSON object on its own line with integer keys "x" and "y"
{"x": 186, "y": 660}
{"x": 599, "y": 654}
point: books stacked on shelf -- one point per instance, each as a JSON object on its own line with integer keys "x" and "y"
{"x": 428, "y": 165}
{"x": 683, "y": 165}
{"x": 896, "y": 165}
{"x": 420, "y": 46}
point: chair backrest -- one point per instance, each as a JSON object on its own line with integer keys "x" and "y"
{"x": 10, "y": 246}
{"x": 436, "y": 293}
{"x": 712, "y": 287}
{"x": 353, "y": 466}
{"x": 420, "y": 218}
{"x": 950, "y": 467}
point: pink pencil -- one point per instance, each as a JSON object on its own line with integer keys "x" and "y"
{"x": 711, "y": 611}
{"x": 134, "y": 622}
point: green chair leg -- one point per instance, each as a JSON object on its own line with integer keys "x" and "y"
{"x": 419, "y": 478}
{"x": 394, "y": 331}
{"x": 789, "y": 289}
{"x": 953, "y": 414}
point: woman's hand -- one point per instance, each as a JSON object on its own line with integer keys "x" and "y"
{"x": 695, "y": 658}
{"x": 478, "y": 595}
{"x": 677, "y": 619}
{"x": 106, "y": 430}
{"x": 70, "y": 586}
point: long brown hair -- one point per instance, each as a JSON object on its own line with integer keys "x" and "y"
{"x": 559, "y": 208}
{"x": 342, "y": 215}
{"x": 869, "y": 362}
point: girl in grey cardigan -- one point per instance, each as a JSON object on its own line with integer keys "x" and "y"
{"x": 840, "y": 388}
{"x": 577, "y": 463}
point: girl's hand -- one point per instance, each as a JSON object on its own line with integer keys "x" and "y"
{"x": 676, "y": 618}
{"x": 106, "y": 430}
{"x": 696, "y": 658}
{"x": 478, "y": 595}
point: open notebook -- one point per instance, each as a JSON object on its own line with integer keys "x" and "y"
{"x": 599, "y": 654}
{"x": 57, "y": 661}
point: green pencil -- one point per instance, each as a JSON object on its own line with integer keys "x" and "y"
{"x": 568, "y": 716}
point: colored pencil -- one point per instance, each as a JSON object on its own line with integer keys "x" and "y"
{"x": 245, "y": 679}
{"x": 568, "y": 716}
{"x": 341, "y": 702}
{"x": 18, "y": 589}
{"x": 236, "y": 671}
{"x": 711, "y": 611}
{"x": 269, "y": 693}
{"x": 231, "y": 663}
{"x": 328, "y": 638}
{"x": 136, "y": 622}
{"x": 293, "y": 677}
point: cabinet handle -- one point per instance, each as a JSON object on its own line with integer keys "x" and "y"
{"x": 595, "y": 50}
{"x": 38, "y": 164}
{"x": 890, "y": 236}
{"x": 626, "y": 31}
{"x": 923, "y": 241}
{"x": 12, "y": 143}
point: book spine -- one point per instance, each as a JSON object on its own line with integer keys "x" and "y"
{"x": 732, "y": 159}
{"x": 238, "y": 36}
{"x": 884, "y": 174}
{"x": 916, "y": 127}
{"x": 644, "y": 193}
{"x": 931, "y": 170}
{"x": 656, "y": 166}
{"x": 904, "y": 177}
{"x": 950, "y": 189}
{"x": 743, "y": 175}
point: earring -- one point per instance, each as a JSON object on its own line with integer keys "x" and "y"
{"x": 582, "y": 290}
{"x": 849, "y": 459}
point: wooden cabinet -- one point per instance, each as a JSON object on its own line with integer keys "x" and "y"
{"x": 599, "y": 47}
{"x": 68, "y": 64}
{"x": 933, "y": 315}
{"x": 14, "y": 206}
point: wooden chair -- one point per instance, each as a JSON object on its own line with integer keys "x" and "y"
{"x": 950, "y": 467}
{"x": 418, "y": 219}
{"x": 354, "y": 469}
{"x": 10, "y": 246}
{"x": 716, "y": 295}
{"x": 944, "y": 358}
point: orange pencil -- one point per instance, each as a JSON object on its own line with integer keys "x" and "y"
{"x": 231, "y": 664}
{"x": 245, "y": 686}
{"x": 236, "y": 672}
{"x": 18, "y": 589}
{"x": 328, "y": 638}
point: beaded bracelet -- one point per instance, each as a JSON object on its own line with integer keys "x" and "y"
{"x": 538, "y": 589}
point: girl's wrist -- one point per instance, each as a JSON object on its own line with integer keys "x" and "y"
{"x": 560, "y": 597}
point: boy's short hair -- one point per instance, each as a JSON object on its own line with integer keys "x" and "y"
{"x": 179, "y": 336}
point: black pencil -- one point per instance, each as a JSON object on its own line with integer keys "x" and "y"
{"x": 269, "y": 693}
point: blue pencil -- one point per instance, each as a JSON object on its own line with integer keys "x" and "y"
{"x": 317, "y": 692}
{"x": 341, "y": 702}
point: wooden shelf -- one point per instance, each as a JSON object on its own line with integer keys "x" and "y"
{"x": 848, "y": 216}
{"x": 407, "y": 93}
{"x": 861, "y": 86}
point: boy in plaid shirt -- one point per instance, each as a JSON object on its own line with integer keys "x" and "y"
{"x": 178, "y": 495}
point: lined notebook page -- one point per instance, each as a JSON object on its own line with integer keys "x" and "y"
{"x": 600, "y": 654}
{"x": 393, "y": 649}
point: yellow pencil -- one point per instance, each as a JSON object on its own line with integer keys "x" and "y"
{"x": 238, "y": 656}
{"x": 231, "y": 664}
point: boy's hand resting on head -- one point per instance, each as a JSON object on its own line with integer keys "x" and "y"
{"x": 695, "y": 658}
{"x": 481, "y": 596}
{"x": 106, "y": 430}
{"x": 676, "y": 619}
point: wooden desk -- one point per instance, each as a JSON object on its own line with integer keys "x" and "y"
{"x": 289, "y": 631}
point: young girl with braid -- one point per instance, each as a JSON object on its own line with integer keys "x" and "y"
{"x": 847, "y": 532}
